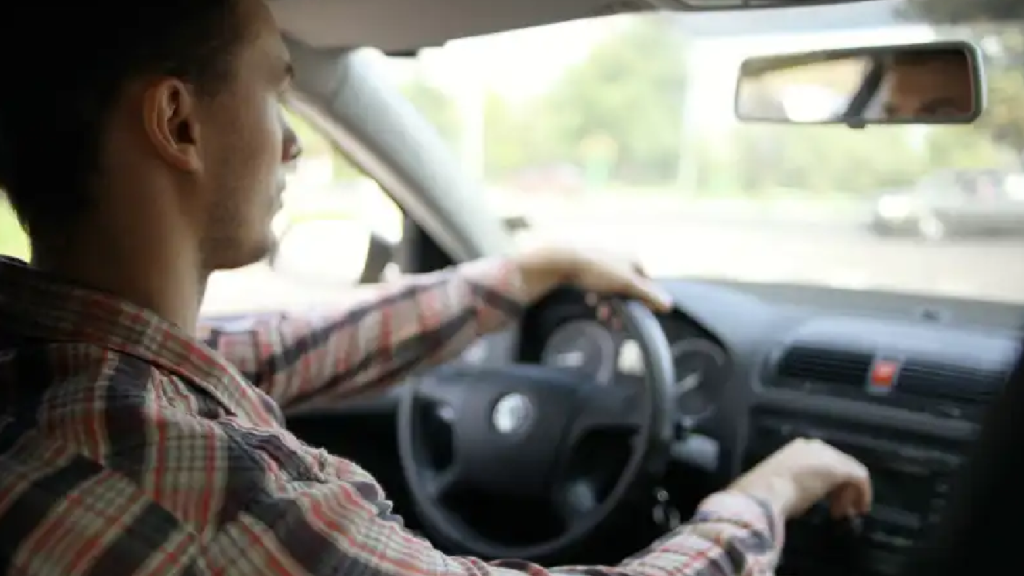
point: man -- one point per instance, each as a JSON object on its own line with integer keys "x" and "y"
{"x": 130, "y": 447}
{"x": 929, "y": 84}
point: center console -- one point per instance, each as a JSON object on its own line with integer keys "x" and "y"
{"x": 910, "y": 477}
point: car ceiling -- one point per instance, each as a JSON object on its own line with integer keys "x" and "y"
{"x": 403, "y": 26}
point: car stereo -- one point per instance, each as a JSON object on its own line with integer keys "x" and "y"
{"x": 910, "y": 478}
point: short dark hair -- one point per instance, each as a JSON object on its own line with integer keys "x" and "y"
{"x": 57, "y": 99}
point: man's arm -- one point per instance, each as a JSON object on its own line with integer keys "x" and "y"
{"x": 340, "y": 522}
{"x": 384, "y": 334}
{"x": 336, "y": 531}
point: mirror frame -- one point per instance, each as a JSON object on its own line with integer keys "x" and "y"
{"x": 757, "y": 65}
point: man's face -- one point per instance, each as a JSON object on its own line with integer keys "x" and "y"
{"x": 941, "y": 88}
{"x": 246, "y": 147}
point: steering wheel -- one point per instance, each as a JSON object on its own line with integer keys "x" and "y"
{"x": 514, "y": 430}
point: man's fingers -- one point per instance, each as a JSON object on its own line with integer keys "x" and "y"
{"x": 647, "y": 291}
{"x": 638, "y": 269}
{"x": 841, "y": 501}
{"x": 865, "y": 493}
{"x": 859, "y": 482}
{"x": 854, "y": 496}
{"x": 653, "y": 295}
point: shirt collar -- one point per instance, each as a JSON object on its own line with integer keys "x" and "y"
{"x": 42, "y": 306}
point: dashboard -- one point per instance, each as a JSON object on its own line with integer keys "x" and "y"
{"x": 581, "y": 333}
{"x": 905, "y": 395}
{"x": 902, "y": 392}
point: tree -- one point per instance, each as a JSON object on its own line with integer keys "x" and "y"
{"x": 965, "y": 11}
{"x": 629, "y": 89}
{"x": 508, "y": 146}
{"x": 826, "y": 158}
{"x": 963, "y": 147}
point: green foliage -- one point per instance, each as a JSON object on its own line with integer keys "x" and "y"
{"x": 630, "y": 89}
{"x": 514, "y": 141}
{"x": 827, "y": 158}
{"x": 965, "y": 11}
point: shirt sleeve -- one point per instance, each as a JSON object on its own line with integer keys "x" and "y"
{"x": 315, "y": 535}
{"x": 174, "y": 493}
{"x": 385, "y": 333}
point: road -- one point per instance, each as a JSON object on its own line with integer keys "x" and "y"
{"x": 833, "y": 251}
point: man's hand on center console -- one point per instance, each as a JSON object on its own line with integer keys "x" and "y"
{"x": 804, "y": 472}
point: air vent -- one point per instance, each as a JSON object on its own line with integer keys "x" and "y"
{"x": 954, "y": 382}
{"x": 819, "y": 365}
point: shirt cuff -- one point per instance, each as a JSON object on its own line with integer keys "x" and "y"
{"x": 500, "y": 275}
{"x": 748, "y": 511}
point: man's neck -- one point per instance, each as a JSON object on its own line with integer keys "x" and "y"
{"x": 157, "y": 276}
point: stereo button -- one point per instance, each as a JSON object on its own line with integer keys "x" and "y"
{"x": 891, "y": 541}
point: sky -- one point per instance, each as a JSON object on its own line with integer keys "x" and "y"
{"x": 523, "y": 63}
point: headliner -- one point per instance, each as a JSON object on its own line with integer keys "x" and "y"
{"x": 403, "y": 26}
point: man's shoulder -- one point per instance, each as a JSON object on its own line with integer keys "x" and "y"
{"x": 92, "y": 400}
{"x": 113, "y": 451}
{"x": 101, "y": 391}
{"x": 101, "y": 413}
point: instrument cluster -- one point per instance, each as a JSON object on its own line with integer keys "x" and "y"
{"x": 591, "y": 339}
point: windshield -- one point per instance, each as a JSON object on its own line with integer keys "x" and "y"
{"x": 620, "y": 133}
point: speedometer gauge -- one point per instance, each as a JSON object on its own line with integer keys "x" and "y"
{"x": 631, "y": 358}
{"x": 700, "y": 374}
{"x": 583, "y": 345}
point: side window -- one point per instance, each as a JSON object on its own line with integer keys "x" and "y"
{"x": 13, "y": 241}
{"x": 336, "y": 229}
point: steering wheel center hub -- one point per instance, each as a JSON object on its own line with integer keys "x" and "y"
{"x": 513, "y": 414}
{"x": 510, "y": 424}
{"x": 514, "y": 433}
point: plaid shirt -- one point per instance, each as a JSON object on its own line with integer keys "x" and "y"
{"x": 128, "y": 447}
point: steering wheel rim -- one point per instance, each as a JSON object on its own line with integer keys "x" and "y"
{"x": 649, "y": 451}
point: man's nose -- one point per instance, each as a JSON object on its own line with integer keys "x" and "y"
{"x": 291, "y": 149}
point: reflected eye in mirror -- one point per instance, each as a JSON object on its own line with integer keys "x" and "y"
{"x": 930, "y": 83}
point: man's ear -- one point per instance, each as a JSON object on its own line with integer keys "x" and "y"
{"x": 170, "y": 115}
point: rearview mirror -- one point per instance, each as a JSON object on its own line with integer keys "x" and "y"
{"x": 931, "y": 83}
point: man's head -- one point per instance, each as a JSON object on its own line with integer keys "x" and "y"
{"x": 161, "y": 120}
{"x": 923, "y": 84}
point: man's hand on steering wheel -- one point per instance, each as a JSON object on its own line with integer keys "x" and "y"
{"x": 545, "y": 267}
{"x": 514, "y": 430}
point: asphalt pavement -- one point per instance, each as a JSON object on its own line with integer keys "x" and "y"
{"x": 827, "y": 251}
